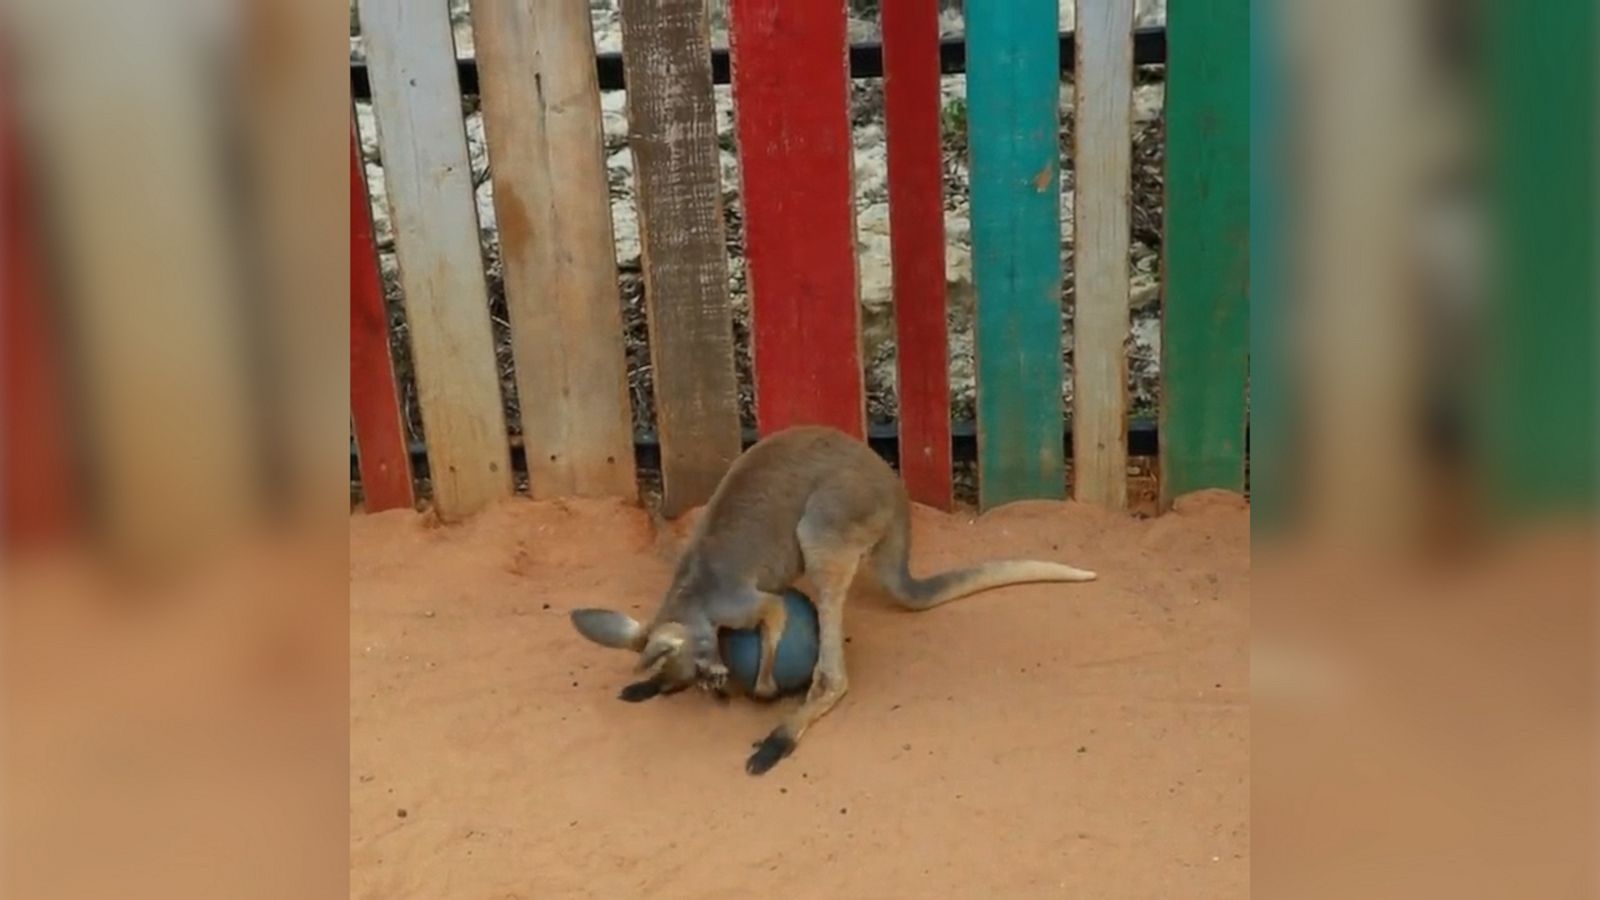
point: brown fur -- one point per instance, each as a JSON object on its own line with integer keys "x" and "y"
{"x": 810, "y": 501}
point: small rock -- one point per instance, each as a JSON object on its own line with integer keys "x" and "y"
{"x": 400, "y": 813}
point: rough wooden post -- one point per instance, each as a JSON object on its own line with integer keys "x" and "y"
{"x": 672, "y": 128}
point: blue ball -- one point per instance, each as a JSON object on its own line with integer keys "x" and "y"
{"x": 797, "y": 649}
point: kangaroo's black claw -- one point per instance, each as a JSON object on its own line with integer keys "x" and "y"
{"x": 769, "y": 750}
{"x": 639, "y": 691}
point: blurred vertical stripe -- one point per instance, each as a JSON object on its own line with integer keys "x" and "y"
{"x": 1542, "y": 368}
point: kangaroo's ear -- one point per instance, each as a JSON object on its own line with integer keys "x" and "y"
{"x": 609, "y": 629}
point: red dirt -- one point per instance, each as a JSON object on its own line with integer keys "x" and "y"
{"x": 1083, "y": 740}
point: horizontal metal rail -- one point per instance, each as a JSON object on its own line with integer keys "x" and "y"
{"x": 1143, "y": 440}
{"x": 866, "y": 61}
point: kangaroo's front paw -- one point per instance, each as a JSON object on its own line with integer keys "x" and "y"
{"x": 714, "y": 678}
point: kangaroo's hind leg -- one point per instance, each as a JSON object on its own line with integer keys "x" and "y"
{"x": 835, "y": 534}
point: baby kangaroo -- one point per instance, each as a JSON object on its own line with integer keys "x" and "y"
{"x": 806, "y": 500}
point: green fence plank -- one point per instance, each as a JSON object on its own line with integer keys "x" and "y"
{"x": 1013, "y": 86}
{"x": 1205, "y": 324}
{"x": 1542, "y": 385}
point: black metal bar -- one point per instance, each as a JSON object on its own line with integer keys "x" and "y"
{"x": 866, "y": 61}
{"x": 1143, "y": 440}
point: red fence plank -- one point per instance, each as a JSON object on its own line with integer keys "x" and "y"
{"x": 40, "y": 500}
{"x": 791, "y": 88}
{"x": 916, "y": 237}
{"x": 380, "y": 435}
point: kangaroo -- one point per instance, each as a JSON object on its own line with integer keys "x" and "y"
{"x": 809, "y": 500}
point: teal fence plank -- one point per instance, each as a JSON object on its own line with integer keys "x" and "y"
{"x": 1013, "y": 86}
{"x": 1205, "y": 310}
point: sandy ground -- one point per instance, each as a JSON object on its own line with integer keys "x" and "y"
{"x": 1080, "y": 740}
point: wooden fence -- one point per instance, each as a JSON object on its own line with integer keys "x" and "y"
{"x": 541, "y": 106}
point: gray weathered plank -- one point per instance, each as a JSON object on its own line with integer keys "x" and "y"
{"x": 666, "y": 51}
{"x": 424, "y": 147}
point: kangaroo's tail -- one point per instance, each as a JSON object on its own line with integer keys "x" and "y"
{"x": 926, "y": 593}
{"x": 890, "y": 562}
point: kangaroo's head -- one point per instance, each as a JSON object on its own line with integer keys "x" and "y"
{"x": 675, "y": 654}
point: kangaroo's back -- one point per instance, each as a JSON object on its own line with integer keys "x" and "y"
{"x": 760, "y": 502}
